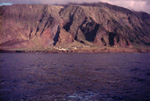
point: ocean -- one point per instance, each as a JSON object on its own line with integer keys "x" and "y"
{"x": 74, "y": 77}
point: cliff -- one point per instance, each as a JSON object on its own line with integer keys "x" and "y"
{"x": 72, "y": 26}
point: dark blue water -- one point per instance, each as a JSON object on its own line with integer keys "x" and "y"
{"x": 74, "y": 77}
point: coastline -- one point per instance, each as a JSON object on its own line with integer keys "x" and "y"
{"x": 80, "y": 50}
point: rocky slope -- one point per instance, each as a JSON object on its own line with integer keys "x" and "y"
{"x": 71, "y": 26}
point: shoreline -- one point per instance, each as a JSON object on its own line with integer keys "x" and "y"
{"x": 96, "y": 50}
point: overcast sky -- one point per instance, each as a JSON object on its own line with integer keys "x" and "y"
{"x": 138, "y": 5}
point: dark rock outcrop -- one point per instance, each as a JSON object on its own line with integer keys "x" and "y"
{"x": 100, "y": 24}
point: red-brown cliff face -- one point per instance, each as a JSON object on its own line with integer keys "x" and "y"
{"x": 45, "y": 26}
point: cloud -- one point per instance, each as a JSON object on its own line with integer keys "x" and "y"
{"x": 5, "y": 3}
{"x": 138, "y": 5}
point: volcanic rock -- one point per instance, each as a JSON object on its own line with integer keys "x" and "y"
{"x": 96, "y": 24}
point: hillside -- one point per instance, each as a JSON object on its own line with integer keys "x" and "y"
{"x": 73, "y": 28}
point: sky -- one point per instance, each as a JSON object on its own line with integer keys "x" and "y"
{"x": 137, "y": 5}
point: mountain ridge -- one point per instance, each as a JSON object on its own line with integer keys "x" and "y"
{"x": 34, "y": 27}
